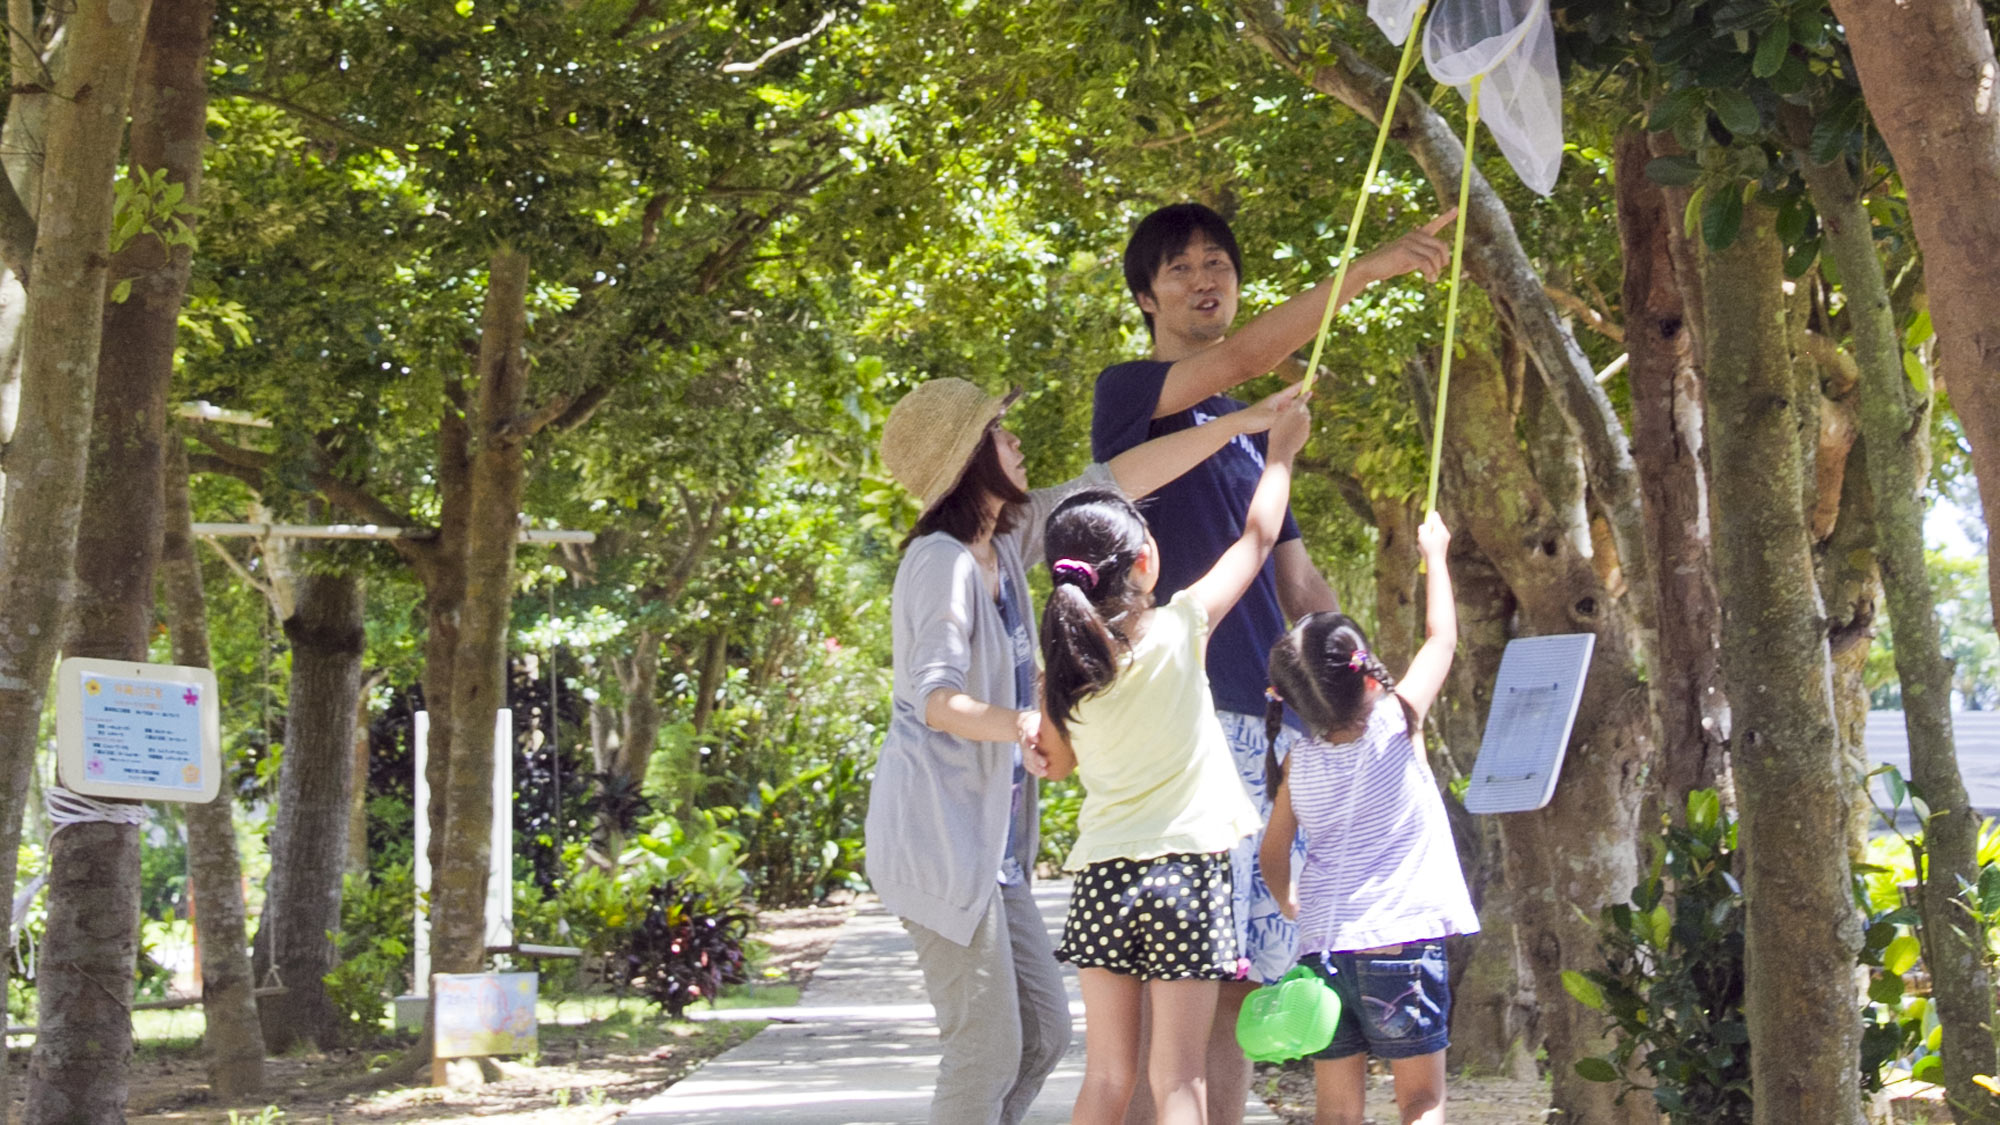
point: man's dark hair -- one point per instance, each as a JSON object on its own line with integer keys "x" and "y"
{"x": 962, "y": 512}
{"x": 1165, "y": 233}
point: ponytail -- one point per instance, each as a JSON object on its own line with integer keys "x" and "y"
{"x": 1092, "y": 540}
{"x": 1274, "y": 723}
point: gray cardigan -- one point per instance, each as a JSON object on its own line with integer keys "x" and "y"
{"x": 939, "y": 805}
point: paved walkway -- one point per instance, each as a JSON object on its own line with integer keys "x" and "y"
{"x": 859, "y": 1049}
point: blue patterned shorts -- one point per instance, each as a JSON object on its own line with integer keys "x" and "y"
{"x": 1267, "y": 939}
{"x": 1392, "y": 1005}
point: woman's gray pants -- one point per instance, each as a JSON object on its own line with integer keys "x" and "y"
{"x": 1003, "y": 1018}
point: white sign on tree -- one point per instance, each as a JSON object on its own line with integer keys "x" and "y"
{"x": 142, "y": 732}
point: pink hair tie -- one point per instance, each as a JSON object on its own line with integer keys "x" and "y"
{"x": 1076, "y": 568}
{"x": 1358, "y": 661}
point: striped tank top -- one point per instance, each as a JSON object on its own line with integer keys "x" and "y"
{"x": 1380, "y": 868}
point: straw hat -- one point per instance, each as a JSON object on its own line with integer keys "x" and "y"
{"x": 931, "y": 435}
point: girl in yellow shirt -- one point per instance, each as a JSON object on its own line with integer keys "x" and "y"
{"x": 1127, "y": 707}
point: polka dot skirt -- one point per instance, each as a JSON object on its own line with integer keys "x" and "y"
{"x": 1165, "y": 918}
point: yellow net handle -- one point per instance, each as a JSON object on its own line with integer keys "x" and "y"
{"x": 1451, "y": 303}
{"x": 1403, "y": 69}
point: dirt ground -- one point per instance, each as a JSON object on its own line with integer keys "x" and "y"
{"x": 1288, "y": 1089}
{"x": 585, "y": 1074}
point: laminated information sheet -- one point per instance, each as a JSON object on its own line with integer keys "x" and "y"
{"x": 147, "y": 732}
{"x": 1534, "y": 706}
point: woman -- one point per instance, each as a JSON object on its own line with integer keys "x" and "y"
{"x": 952, "y": 826}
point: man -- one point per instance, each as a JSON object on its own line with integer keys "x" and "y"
{"x": 1184, "y": 270}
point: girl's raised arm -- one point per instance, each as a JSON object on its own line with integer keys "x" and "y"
{"x": 1154, "y": 464}
{"x": 1419, "y": 686}
{"x": 1232, "y": 574}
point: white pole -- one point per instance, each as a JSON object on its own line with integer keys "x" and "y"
{"x": 420, "y": 750}
{"x": 500, "y": 869}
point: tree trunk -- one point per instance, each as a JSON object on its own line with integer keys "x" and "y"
{"x": 1668, "y": 446}
{"x": 1851, "y": 589}
{"x": 479, "y": 675}
{"x": 357, "y": 784}
{"x": 1955, "y": 942}
{"x": 21, "y": 137}
{"x": 638, "y": 678}
{"x": 118, "y": 545}
{"x": 60, "y": 343}
{"x": 309, "y": 841}
{"x": 442, "y": 570}
{"x": 1567, "y": 861}
{"x": 1801, "y": 932}
{"x": 231, "y": 1034}
{"x": 1928, "y": 71}
{"x": 1493, "y": 1000}
{"x": 1397, "y": 624}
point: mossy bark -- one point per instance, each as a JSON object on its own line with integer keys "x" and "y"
{"x": 1670, "y": 448}
{"x": 1891, "y": 422}
{"x": 1567, "y": 861}
{"x": 1801, "y": 929}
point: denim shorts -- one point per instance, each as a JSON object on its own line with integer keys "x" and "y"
{"x": 1392, "y": 1005}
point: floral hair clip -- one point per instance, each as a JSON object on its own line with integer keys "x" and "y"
{"x": 1271, "y": 695}
{"x": 1358, "y": 661}
{"x": 1076, "y": 568}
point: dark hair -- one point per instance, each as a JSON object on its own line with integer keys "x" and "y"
{"x": 1314, "y": 670}
{"x": 1084, "y": 624}
{"x": 1165, "y": 233}
{"x": 962, "y": 512}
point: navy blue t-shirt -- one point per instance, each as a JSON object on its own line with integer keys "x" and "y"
{"x": 1196, "y": 518}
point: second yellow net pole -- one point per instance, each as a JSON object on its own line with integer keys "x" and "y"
{"x": 1403, "y": 69}
{"x": 1451, "y": 303}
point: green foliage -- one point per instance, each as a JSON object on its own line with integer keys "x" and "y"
{"x": 146, "y": 204}
{"x": 1963, "y": 597}
{"x": 374, "y": 959}
{"x": 1673, "y": 978}
{"x": 1900, "y": 1025}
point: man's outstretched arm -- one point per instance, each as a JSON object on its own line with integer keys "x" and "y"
{"x": 1272, "y": 335}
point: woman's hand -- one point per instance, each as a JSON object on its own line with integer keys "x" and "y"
{"x": 1267, "y": 410}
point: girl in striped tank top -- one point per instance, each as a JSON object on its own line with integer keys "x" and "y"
{"x": 1381, "y": 887}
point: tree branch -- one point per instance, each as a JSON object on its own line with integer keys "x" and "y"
{"x": 581, "y": 408}
{"x": 1213, "y": 127}
{"x": 263, "y": 588}
{"x": 210, "y": 463}
{"x": 788, "y": 45}
{"x": 1586, "y": 312}
{"x": 330, "y": 124}
{"x": 249, "y": 465}
{"x": 17, "y": 231}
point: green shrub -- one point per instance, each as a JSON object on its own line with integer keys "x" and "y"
{"x": 373, "y": 948}
{"x": 1673, "y": 977}
{"x": 1899, "y": 1026}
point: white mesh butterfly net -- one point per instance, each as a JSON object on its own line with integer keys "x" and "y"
{"x": 1394, "y": 17}
{"x": 1513, "y": 44}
